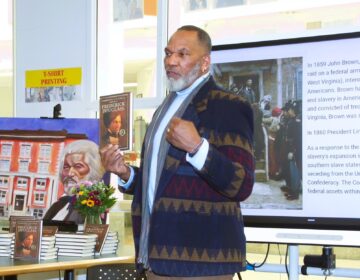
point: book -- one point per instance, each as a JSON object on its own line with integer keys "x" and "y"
{"x": 77, "y": 250}
{"x": 106, "y": 252}
{"x": 27, "y": 239}
{"x": 49, "y": 230}
{"x": 14, "y": 218}
{"x": 101, "y": 230}
{"x": 68, "y": 254}
{"x": 79, "y": 246}
{"x": 77, "y": 236}
{"x": 52, "y": 257}
{"x": 48, "y": 239}
{"x": 50, "y": 250}
{"x": 47, "y": 246}
{"x": 6, "y": 240}
{"x": 6, "y": 235}
{"x": 116, "y": 120}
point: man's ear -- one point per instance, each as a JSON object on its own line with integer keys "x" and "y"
{"x": 205, "y": 63}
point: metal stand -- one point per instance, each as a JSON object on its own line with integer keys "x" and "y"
{"x": 294, "y": 268}
{"x": 293, "y": 262}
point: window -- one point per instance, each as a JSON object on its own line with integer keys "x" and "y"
{"x": 38, "y": 213}
{"x": 2, "y": 196}
{"x": 6, "y": 150}
{"x": 4, "y": 165}
{"x": 4, "y": 181}
{"x": 45, "y": 151}
{"x": 25, "y": 150}
{"x": 39, "y": 198}
{"x": 238, "y": 21}
{"x": 43, "y": 167}
{"x": 22, "y": 182}
{"x": 40, "y": 184}
{"x": 24, "y": 165}
{"x": 127, "y": 54}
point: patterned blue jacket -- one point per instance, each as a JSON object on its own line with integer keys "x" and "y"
{"x": 196, "y": 226}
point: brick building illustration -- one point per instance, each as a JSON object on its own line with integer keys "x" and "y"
{"x": 29, "y": 170}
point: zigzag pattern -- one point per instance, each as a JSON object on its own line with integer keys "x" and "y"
{"x": 217, "y": 94}
{"x": 238, "y": 177}
{"x": 171, "y": 163}
{"x": 237, "y": 181}
{"x": 203, "y": 207}
{"x": 195, "y": 254}
{"x": 186, "y": 187}
{"x": 229, "y": 139}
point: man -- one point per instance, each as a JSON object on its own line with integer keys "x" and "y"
{"x": 25, "y": 248}
{"x": 113, "y": 133}
{"x": 196, "y": 166}
{"x": 248, "y": 93}
{"x": 292, "y": 141}
{"x": 80, "y": 162}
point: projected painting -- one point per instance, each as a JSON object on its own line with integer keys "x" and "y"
{"x": 30, "y": 158}
{"x": 273, "y": 87}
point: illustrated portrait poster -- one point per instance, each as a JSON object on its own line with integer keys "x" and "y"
{"x": 30, "y": 160}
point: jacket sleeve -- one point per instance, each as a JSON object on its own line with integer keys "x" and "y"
{"x": 229, "y": 166}
{"x": 128, "y": 187}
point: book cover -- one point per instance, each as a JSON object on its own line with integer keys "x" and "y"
{"x": 101, "y": 230}
{"x": 116, "y": 120}
{"x": 28, "y": 239}
{"x": 13, "y": 219}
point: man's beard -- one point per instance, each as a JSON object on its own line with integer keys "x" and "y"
{"x": 69, "y": 182}
{"x": 183, "y": 82}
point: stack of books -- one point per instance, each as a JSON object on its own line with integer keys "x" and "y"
{"x": 7, "y": 241}
{"x": 75, "y": 244}
{"x": 48, "y": 249}
{"x": 101, "y": 230}
{"x": 110, "y": 244}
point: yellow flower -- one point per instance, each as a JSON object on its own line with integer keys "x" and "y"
{"x": 81, "y": 193}
{"x": 84, "y": 201}
{"x": 90, "y": 203}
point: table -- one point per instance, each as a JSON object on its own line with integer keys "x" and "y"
{"x": 10, "y": 267}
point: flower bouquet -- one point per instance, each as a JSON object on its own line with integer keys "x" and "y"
{"x": 91, "y": 199}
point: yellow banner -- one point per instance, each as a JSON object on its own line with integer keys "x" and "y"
{"x": 53, "y": 77}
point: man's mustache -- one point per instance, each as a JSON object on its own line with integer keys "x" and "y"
{"x": 68, "y": 179}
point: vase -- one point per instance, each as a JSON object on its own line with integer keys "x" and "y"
{"x": 92, "y": 219}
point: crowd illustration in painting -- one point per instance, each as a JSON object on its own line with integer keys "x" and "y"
{"x": 277, "y": 138}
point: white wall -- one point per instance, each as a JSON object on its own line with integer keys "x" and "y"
{"x": 52, "y": 34}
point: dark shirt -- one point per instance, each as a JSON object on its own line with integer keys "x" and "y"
{"x": 73, "y": 214}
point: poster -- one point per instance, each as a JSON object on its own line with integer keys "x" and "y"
{"x": 53, "y": 85}
{"x": 30, "y": 161}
